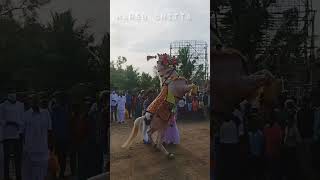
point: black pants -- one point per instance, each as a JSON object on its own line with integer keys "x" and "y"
{"x": 61, "y": 151}
{"x": 181, "y": 112}
{"x": 73, "y": 153}
{"x": 114, "y": 113}
{"x": 14, "y": 147}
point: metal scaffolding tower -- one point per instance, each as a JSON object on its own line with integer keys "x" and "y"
{"x": 198, "y": 51}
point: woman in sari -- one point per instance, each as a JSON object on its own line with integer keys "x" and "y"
{"x": 171, "y": 135}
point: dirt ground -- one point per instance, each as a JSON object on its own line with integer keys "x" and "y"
{"x": 142, "y": 162}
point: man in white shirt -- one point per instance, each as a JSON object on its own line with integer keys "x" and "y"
{"x": 11, "y": 121}
{"x": 237, "y": 113}
{"x": 181, "y": 103}
{"x": 36, "y": 129}
{"x": 229, "y": 131}
{"x": 113, "y": 104}
{"x": 121, "y": 107}
{"x": 181, "y": 107}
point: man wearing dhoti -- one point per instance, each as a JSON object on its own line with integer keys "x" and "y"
{"x": 113, "y": 104}
{"x": 37, "y": 124}
{"x": 121, "y": 107}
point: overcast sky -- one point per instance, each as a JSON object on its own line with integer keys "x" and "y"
{"x": 137, "y": 39}
{"x": 160, "y": 23}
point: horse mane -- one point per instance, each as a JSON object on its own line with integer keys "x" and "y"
{"x": 232, "y": 51}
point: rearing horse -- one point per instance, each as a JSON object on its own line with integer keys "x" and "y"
{"x": 232, "y": 83}
{"x": 161, "y": 109}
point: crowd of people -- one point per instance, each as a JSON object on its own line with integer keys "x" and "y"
{"x": 125, "y": 104}
{"x": 133, "y": 105}
{"x": 282, "y": 144}
{"x": 196, "y": 107}
{"x": 39, "y": 132}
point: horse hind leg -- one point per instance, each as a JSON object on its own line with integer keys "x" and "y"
{"x": 150, "y": 132}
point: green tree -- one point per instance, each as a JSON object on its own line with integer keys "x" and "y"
{"x": 199, "y": 75}
{"x": 145, "y": 81}
{"x": 244, "y": 25}
{"x": 117, "y": 76}
{"x": 44, "y": 56}
{"x": 187, "y": 65}
{"x": 155, "y": 83}
{"x": 131, "y": 78}
{"x": 71, "y": 43}
{"x": 8, "y": 7}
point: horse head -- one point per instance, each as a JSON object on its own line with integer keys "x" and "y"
{"x": 265, "y": 89}
{"x": 232, "y": 82}
{"x": 166, "y": 66}
{"x": 180, "y": 87}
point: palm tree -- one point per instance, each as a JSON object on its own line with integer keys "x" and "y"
{"x": 71, "y": 43}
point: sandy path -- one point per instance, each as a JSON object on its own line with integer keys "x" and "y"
{"x": 141, "y": 162}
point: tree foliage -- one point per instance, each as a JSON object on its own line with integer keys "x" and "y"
{"x": 54, "y": 55}
{"x": 129, "y": 78}
{"x": 187, "y": 65}
{"x": 249, "y": 26}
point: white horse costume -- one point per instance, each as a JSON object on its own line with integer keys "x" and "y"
{"x": 159, "y": 111}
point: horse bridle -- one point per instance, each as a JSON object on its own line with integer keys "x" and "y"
{"x": 165, "y": 80}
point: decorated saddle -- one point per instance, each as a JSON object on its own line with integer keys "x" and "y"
{"x": 164, "y": 105}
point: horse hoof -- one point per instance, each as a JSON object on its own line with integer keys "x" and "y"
{"x": 170, "y": 156}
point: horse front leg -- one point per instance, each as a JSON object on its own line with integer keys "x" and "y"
{"x": 161, "y": 147}
{"x": 159, "y": 139}
{"x": 146, "y": 134}
{"x": 150, "y": 132}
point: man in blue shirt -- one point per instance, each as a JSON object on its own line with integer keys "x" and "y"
{"x": 128, "y": 102}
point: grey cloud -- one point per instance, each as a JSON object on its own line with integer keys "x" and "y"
{"x": 148, "y": 37}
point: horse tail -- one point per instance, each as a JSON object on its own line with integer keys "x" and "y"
{"x": 134, "y": 131}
